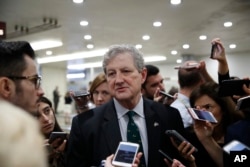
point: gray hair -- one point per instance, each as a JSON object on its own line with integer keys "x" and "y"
{"x": 114, "y": 50}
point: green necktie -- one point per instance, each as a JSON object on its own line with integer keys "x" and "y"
{"x": 133, "y": 135}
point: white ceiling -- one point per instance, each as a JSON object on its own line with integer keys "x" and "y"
{"x": 126, "y": 21}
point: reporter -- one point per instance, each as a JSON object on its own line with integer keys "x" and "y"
{"x": 49, "y": 124}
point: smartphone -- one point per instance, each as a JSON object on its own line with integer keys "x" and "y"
{"x": 191, "y": 65}
{"x": 178, "y": 138}
{"x": 56, "y": 135}
{"x": 166, "y": 156}
{"x": 202, "y": 115}
{"x": 166, "y": 94}
{"x": 235, "y": 145}
{"x": 125, "y": 154}
{"x": 243, "y": 103}
{"x": 233, "y": 87}
{"x": 214, "y": 46}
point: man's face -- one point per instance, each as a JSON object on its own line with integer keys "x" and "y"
{"x": 26, "y": 94}
{"x": 124, "y": 80}
{"x": 152, "y": 83}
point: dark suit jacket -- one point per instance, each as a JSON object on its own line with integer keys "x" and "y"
{"x": 95, "y": 134}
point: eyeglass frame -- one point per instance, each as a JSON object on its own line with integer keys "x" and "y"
{"x": 36, "y": 77}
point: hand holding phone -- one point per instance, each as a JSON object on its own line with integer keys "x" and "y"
{"x": 233, "y": 87}
{"x": 178, "y": 138}
{"x": 202, "y": 115}
{"x": 125, "y": 154}
{"x": 56, "y": 135}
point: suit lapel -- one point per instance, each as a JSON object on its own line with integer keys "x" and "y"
{"x": 110, "y": 127}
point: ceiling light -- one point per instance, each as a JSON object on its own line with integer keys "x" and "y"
{"x": 76, "y": 75}
{"x": 45, "y": 44}
{"x": 84, "y": 66}
{"x": 228, "y": 24}
{"x": 232, "y": 46}
{"x": 78, "y": 1}
{"x": 138, "y": 46}
{"x": 154, "y": 58}
{"x": 185, "y": 46}
{"x": 157, "y": 24}
{"x": 203, "y": 37}
{"x": 174, "y": 52}
{"x": 175, "y": 2}
{"x": 87, "y": 37}
{"x": 145, "y": 37}
{"x": 73, "y": 56}
{"x": 84, "y": 23}
{"x": 1, "y": 32}
{"x": 90, "y": 46}
{"x": 179, "y": 61}
{"x": 49, "y": 52}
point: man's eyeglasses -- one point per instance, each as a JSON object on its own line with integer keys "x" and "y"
{"x": 36, "y": 79}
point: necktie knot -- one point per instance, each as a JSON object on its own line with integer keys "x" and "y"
{"x": 130, "y": 114}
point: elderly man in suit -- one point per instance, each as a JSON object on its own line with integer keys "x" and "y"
{"x": 95, "y": 134}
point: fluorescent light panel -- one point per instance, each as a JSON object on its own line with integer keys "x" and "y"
{"x": 39, "y": 45}
{"x": 73, "y": 56}
{"x": 76, "y": 75}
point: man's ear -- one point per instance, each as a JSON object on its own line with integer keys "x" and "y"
{"x": 6, "y": 87}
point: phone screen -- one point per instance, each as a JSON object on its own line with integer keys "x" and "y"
{"x": 202, "y": 115}
{"x": 235, "y": 146}
{"x": 125, "y": 154}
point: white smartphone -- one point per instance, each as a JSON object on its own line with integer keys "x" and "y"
{"x": 202, "y": 115}
{"x": 235, "y": 145}
{"x": 243, "y": 103}
{"x": 125, "y": 154}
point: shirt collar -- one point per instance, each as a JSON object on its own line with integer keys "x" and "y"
{"x": 121, "y": 111}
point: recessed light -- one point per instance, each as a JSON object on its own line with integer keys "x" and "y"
{"x": 232, "y": 46}
{"x": 84, "y": 23}
{"x": 76, "y": 75}
{"x": 228, "y": 24}
{"x": 175, "y": 2}
{"x": 174, "y": 52}
{"x": 90, "y": 46}
{"x": 146, "y": 37}
{"x": 39, "y": 45}
{"x": 185, "y": 46}
{"x": 1, "y": 32}
{"x": 138, "y": 46}
{"x": 179, "y": 61}
{"x": 87, "y": 37}
{"x": 49, "y": 52}
{"x": 78, "y": 1}
{"x": 157, "y": 24}
{"x": 203, "y": 37}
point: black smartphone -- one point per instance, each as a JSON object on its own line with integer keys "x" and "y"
{"x": 214, "y": 46}
{"x": 166, "y": 94}
{"x": 243, "y": 103}
{"x": 233, "y": 87}
{"x": 178, "y": 138}
{"x": 56, "y": 135}
{"x": 166, "y": 156}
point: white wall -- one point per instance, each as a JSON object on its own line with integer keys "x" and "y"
{"x": 52, "y": 77}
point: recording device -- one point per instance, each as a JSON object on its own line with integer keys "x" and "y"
{"x": 166, "y": 156}
{"x": 56, "y": 135}
{"x": 202, "y": 115}
{"x": 125, "y": 154}
{"x": 178, "y": 138}
{"x": 235, "y": 145}
{"x": 191, "y": 65}
{"x": 214, "y": 46}
{"x": 243, "y": 103}
{"x": 166, "y": 94}
{"x": 233, "y": 87}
